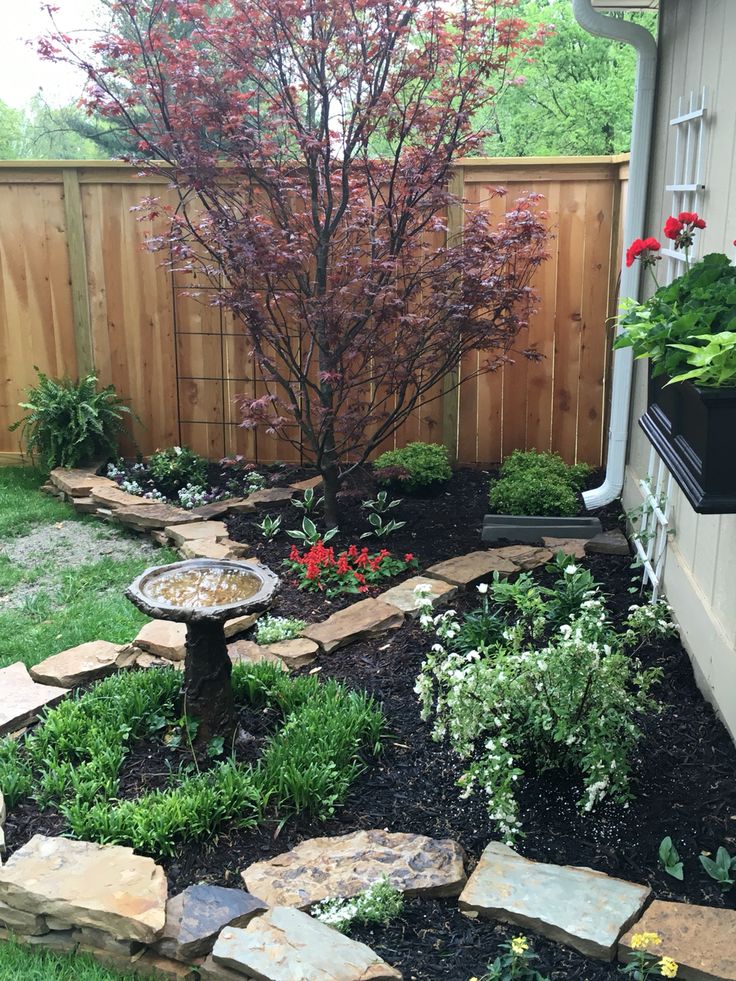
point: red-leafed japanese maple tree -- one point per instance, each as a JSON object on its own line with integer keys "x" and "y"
{"x": 311, "y": 144}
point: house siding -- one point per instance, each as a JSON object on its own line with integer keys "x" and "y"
{"x": 696, "y": 42}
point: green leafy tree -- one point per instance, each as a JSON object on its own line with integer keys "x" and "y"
{"x": 574, "y": 97}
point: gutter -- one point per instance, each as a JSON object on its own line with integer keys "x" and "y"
{"x": 634, "y": 220}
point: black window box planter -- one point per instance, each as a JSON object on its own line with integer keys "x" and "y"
{"x": 694, "y": 431}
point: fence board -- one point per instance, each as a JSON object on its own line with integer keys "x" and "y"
{"x": 182, "y": 362}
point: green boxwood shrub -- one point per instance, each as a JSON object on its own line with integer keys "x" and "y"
{"x": 532, "y": 483}
{"x": 416, "y": 467}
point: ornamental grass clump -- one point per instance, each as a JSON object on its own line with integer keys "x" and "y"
{"x": 551, "y": 683}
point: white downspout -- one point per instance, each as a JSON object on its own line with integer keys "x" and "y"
{"x": 641, "y": 138}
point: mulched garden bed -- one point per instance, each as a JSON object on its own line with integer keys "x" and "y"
{"x": 683, "y": 774}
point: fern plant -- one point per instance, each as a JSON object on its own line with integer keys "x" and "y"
{"x": 68, "y": 423}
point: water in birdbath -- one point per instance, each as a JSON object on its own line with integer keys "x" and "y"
{"x": 201, "y": 588}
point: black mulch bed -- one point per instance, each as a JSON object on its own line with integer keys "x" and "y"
{"x": 684, "y": 783}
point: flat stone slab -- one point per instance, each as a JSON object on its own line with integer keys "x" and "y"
{"x": 608, "y": 543}
{"x": 216, "y": 508}
{"x": 115, "y": 497}
{"x": 239, "y": 625}
{"x": 180, "y": 534}
{"x": 575, "y": 547}
{"x": 312, "y": 483}
{"x": 344, "y": 866}
{"x": 467, "y": 570}
{"x": 153, "y": 516}
{"x": 526, "y": 557}
{"x": 103, "y": 886}
{"x": 240, "y": 651}
{"x": 30, "y": 924}
{"x": 204, "y": 548}
{"x": 79, "y": 482}
{"x": 269, "y": 495}
{"x": 295, "y": 653}
{"x": 86, "y": 662}
{"x": 21, "y": 698}
{"x": 365, "y": 619}
{"x": 163, "y": 638}
{"x": 195, "y": 917}
{"x": 85, "y": 505}
{"x": 287, "y": 945}
{"x": 584, "y": 909}
{"x": 700, "y": 938}
{"x": 404, "y": 597}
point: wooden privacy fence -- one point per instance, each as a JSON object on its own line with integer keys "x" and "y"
{"x": 79, "y": 292}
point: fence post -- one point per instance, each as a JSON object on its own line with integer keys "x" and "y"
{"x": 78, "y": 271}
{"x": 450, "y": 388}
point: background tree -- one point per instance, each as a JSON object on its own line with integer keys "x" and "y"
{"x": 311, "y": 143}
{"x": 577, "y": 93}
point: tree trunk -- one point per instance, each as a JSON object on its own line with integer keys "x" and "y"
{"x": 208, "y": 692}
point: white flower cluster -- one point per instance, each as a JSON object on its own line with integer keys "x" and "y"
{"x": 379, "y": 903}
{"x": 570, "y": 700}
{"x": 192, "y": 496}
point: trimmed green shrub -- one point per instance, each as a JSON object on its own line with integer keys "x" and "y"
{"x": 416, "y": 467}
{"x": 177, "y": 467}
{"x": 534, "y": 483}
{"x": 68, "y": 423}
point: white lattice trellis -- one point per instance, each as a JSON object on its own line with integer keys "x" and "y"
{"x": 687, "y": 189}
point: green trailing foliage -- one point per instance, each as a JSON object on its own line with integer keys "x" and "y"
{"x": 73, "y": 759}
{"x": 533, "y": 483}
{"x": 71, "y": 423}
{"x": 417, "y": 467}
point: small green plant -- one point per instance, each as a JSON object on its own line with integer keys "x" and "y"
{"x": 515, "y": 964}
{"x": 723, "y": 869}
{"x": 308, "y": 534}
{"x": 68, "y": 423}
{"x": 670, "y": 859}
{"x": 177, "y": 468}
{"x": 309, "y": 501}
{"x": 379, "y": 903}
{"x": 416, "y": 467}
{"x": 643, "y": 964}
{"x": 377, "y": 508}
{"x": 269, "y": 527}
{"x": 271, "y": 630}
{"x": 538, "y": 484}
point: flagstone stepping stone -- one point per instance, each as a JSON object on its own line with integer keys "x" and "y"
{"x": 205, "y": 548}
{"x": 215, "y": 509}
{"x": 239, "y": 625}
{"x": 210, "y": 971}
{"x": 85, "y": 505}
{"x": 700, "y": 938}
{"x": 180, "y": 534}
{"x": 269, "y": 495}
{"x": 608, "y": 543}
{"x": 584, "y": 909}
{"x": 467, "y": 570}
{"x": 240, "y": 651}
{"x": 103, "y": 886}
{"x": 79, "y": 482}
{"x": 85, "y": 662}
{"x": 348, "y": 864}
{"x": 99, "y": 940}
{"x": 21, "y": 698}
{"x": 153, "y": 516}
{"x": 574, "y": 547}
{"x": 115, "y": 497}
{"x": 195, "y": 917}
{"x": 287, "y": 945}
{"x": 526, "y": 557}
{"x": 163, "y": 638}
{"x": 366, "y": 619}
{"x": 295, "y": 653}
{"x": 30, "y": 924}
{"x": 404, "y": 597}
{"x": 312, "y": 483}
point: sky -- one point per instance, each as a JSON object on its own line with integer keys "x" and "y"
{"x": 21, "y": 71}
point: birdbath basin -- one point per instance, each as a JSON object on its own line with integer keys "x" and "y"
{"x": 203, "y": 594}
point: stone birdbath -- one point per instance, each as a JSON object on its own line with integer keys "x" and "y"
{"x": 203, "y": 594}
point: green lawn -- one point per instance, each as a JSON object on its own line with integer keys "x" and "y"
{"x": 18, "y": 963}
{"x": 77, "y": 599}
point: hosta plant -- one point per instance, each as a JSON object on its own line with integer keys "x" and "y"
{"x": 534, "y": 690}
{"x": 71, "y": 423}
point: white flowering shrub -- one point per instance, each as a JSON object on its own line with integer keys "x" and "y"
{"x": 534, "y": 689}
{"x": 379, "y": 903}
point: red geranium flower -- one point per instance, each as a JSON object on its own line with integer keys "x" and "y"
{"x": 408, "y": 557}
{"x": 672, "y": 227}
{"x": 639, "y": 247}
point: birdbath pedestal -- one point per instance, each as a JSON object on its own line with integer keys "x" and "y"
{"x": 203, "y": 594}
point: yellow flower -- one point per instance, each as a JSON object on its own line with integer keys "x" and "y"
{"x": 640, "y": 941}
{"x": 519, "y": 945}
{"x": 667, "y": 967}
